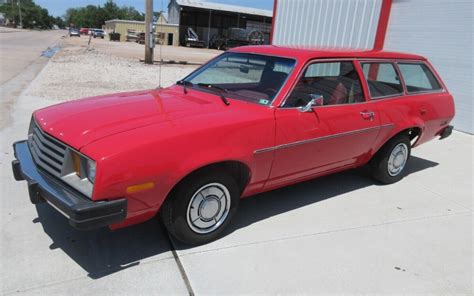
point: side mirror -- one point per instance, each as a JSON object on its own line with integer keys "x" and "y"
{"x": 316, "y": 100}
{"x": 308, "y": 107}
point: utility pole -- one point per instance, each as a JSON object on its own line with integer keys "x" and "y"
{"x": 149, "y": 40}
{"x": 19, "y": 10}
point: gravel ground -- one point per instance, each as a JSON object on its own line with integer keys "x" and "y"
{"x": 77, "y": 73}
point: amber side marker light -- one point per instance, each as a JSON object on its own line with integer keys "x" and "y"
{"x": 140, "y": 187}
{"x": 76, "y": 160}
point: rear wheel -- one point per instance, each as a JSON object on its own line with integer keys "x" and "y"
{"x": 201, "y": 207}
{"x": 388, "y": 165}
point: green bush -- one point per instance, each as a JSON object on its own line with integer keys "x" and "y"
{"x": 114, "y": 36}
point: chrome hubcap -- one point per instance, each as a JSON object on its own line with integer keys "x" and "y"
{"x": 208, "y": 208}
{"x": 397, "y": 159}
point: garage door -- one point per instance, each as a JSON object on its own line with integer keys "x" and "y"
{"x": 442, "y": 31}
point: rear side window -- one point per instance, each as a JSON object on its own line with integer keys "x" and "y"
{"x": 382, "y": 79}
{"x": 418, "y": 77}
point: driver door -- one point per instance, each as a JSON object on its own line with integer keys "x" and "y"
{"x": 337, "y": 131}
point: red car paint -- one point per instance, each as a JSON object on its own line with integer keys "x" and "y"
{"x": 163, "y": 135}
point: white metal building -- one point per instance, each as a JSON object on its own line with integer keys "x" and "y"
{"x": 438, "y": 29}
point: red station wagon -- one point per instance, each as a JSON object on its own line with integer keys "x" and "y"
{"x": 251, "y": 120}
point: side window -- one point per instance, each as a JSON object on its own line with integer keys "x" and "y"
{"x": 331, "y": 83}
{"x": 382, "y": 79}
{"x": 418, "y": 77}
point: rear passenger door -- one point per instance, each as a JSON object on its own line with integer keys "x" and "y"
{"x": 337, "y": 132}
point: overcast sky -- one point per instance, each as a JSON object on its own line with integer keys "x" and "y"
{"x": 59, "y": 7}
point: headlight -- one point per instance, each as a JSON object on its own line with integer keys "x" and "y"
{"x": 90, "y": 170}
{"x": 79, "y": 172}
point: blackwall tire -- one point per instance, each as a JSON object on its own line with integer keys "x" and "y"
{"x": 201, "y": 207}
{"x": 389, "y": 164}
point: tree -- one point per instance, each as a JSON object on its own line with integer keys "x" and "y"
{"x": 33, "y": 15}
{"x": 93, "y": 16}
{"x": 58, "y": 21}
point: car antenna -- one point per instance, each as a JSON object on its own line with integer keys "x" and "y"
{"x": 160, "y": 16}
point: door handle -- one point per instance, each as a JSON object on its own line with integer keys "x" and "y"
{"x": 367, "y": 115}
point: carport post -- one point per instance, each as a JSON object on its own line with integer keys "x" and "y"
{"x": 209, "y": 30}
{"x": 148, "y": 31}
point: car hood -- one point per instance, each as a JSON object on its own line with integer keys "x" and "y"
{"x": 78, "y": 123}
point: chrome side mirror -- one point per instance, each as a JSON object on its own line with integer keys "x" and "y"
{"x": 308, "y": 107}
{"x": 316, "y": 100}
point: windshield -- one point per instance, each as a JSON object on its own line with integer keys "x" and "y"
{"x": 249, "y": 77}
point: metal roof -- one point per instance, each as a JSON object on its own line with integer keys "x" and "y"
{"x": 139, "y": 22}
{"x": 224, "y": 7}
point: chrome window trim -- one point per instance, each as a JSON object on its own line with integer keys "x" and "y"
{"x": 312, "y": 140}
{"x": 328, "y": 106}
{"x": 399, "y": 95}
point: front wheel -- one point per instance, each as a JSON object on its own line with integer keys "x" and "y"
{"x": 388, "y": 165}
{"x": 201, "y": 207}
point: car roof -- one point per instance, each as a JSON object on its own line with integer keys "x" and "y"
{"x": 310, "y": 53}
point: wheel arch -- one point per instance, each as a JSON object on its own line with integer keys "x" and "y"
{"x": 240, "y": 171}
{"x": 414, "y": 133}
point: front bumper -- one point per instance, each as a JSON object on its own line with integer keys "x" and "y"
{"x": 83, "y": 214}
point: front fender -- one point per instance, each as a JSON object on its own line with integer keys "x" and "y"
{"x": 165, "y": 160}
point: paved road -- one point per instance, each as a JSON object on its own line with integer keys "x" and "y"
{"x": 19, "y": 48}
{"x": 21, "y": 61}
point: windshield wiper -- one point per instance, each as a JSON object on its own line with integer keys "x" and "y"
{"x": 220, "y": 89}
{"x": 185, "y": 84}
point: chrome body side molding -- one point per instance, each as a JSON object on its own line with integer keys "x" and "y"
{"x": 302, "y": 142}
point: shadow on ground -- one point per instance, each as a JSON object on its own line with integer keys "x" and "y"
{"x": 102, "y": 252}
{"x": 268, "y": 204}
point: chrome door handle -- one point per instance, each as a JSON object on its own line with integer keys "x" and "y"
{"x": 367, "y": 115}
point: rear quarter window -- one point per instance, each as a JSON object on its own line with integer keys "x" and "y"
{"x": 418, "y": 77}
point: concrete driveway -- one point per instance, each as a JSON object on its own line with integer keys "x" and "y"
{"x": 338, "y": 234}
{"x": 345, "y": 234}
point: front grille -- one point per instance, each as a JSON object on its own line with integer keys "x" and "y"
{"x": 48, "y": 153}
